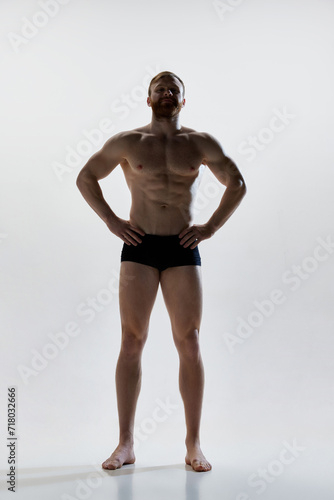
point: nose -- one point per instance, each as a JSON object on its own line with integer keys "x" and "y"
{"x": 168, "y": 93}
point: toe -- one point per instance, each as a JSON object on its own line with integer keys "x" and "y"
{"x": 110, "y": 465}
{"x": 201, "y": 465}
{"x": 197, "y": 465}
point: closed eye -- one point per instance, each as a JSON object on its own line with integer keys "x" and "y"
{"x": 174, "y": 90}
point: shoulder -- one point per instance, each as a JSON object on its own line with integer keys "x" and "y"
{"x": 202, "y": 137}
{"x": 128, "y": 135}
{"x": 123, "y": 139}
{"x": 208, "y": 144}
{"x": 207, "y": 139}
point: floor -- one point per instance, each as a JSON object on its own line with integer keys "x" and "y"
{"x": 177, "y": 481}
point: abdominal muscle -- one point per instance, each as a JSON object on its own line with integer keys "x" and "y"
{"x": 155, "y": 215}
{"x": 162, "y": 200}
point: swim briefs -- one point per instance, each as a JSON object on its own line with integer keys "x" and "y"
{"x": 161, "y": 252}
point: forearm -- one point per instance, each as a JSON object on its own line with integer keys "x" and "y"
{"x": 230, "y": 201}
{"x": 91, "y": 191}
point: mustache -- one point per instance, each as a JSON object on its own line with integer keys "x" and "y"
{"x": 167, "y": 99}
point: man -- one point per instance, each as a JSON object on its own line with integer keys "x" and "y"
{"x": 162, "y": 163}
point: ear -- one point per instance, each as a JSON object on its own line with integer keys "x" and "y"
{"x": 148, "y": 101}
{"x": 183, "y": 103}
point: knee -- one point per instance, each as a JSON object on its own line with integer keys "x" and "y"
{"x": 133, "y": 342}
{"x": 187, "y": 343}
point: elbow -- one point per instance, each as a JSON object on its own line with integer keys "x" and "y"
{"x": 82, "y": 179}
{"x": 241, "y": 190}
{"x": 243, "y": 187}
{"x": 79, "y": 181}
{"x": 238, "y": 184}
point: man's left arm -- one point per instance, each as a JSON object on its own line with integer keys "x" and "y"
{"x": 226, "y": 171}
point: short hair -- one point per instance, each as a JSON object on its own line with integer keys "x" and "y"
{"x": 162, "y": 74}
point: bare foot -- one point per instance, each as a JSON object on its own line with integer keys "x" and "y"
{"x": 196, "y": 459}
{"x": 122, "y": 455}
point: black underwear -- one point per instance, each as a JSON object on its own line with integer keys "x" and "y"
{"x": 161, "y": 252}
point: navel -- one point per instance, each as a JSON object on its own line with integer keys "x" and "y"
{"x": 192, "y": 168}
{"x": 139, "y": 167}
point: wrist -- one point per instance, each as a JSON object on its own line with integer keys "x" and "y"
{"x": 212, "y": 228}
{"x": 110, "y": 218}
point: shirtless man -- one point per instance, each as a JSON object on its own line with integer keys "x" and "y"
{"x": 162, "y": 163}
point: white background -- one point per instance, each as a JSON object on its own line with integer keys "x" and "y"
{"x": 92, "y": 61}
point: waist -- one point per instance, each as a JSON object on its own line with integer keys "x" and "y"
{"x": 157, "y": 237}
{"x": 166, "y": 221}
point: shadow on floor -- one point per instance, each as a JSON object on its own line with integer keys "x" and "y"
{"x": 48, "y": 475}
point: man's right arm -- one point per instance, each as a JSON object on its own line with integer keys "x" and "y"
{"x": 98, "y": 167}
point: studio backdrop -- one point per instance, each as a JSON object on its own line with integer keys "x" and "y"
{"x": 258, "y": 77}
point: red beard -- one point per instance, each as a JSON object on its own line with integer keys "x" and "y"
{"x": 166, "y": 109}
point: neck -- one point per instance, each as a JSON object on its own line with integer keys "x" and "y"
{"x": 165, "y": 126}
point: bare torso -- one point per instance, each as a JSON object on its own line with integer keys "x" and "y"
{"x": 163, "y": 174}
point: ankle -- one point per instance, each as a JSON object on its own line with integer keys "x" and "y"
{"x": 192, "y": 441}
{"x": 126, "y": 439}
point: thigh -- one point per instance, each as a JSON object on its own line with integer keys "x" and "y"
{"x": 181, "y": 287}
{"x": 137, "y": 292}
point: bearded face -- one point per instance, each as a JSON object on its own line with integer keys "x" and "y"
{"x": 166, "y": 98}
{"x": 164, "y": 108}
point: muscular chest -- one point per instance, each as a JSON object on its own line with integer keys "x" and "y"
{"x": 174, "y": 156}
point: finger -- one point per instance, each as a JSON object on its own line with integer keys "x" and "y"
{"x": 184, "y": 232}
{"x": 194, "y": 245}
{"x": 129, "y": 240}
{"x": 140, "y": 231}
{"x": 190, "y": 241}
{"x": 186, "y": 238}
{"x": 134, "y": 236}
